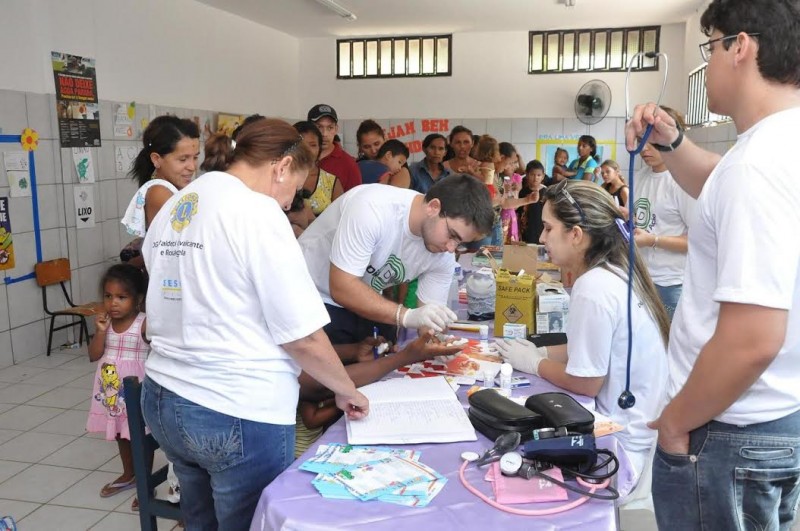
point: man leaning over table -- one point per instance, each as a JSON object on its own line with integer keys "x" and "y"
{"x": 728, "y": 452}
{"x": 377, "y": 236}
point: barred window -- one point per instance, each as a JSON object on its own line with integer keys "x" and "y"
{"x": 698, "y": 113}
{"x": 418, "y": 56}
{"x": 592, "y": 50}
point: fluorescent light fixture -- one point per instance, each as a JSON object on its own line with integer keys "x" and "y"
{"x": 339, "y": 10}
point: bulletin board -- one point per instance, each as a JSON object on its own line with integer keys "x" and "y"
{"x": 29, "y": 140}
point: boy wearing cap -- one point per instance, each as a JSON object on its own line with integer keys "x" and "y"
{"x": 332, "y": 158}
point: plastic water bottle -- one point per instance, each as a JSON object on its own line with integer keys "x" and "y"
{"x": 505, "y": 377}
{"x": 452, "y": 297}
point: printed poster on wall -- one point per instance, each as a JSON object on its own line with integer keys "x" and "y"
{"x": 77, "y": 107}
{"x": 84, "y": 167}
{"x": 6, "y": 241}
{"x": 16, "y": 165}
{"x": 226, "y": 123}
{"x": 124, "y": 113}
{"x": 84, "y": 206}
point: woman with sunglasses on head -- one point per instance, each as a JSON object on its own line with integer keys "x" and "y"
{"x": 583, "y": 231}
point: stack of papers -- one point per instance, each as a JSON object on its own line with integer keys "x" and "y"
{"x": 404, "y": 411}
{"x": 367, "y": 473}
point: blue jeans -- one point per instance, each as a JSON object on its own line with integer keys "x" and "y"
{"x": 734, "y": 478}
{"x": 223, "y": 462}
{"x": 670, "y": 296}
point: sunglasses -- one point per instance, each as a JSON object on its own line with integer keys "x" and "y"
{"x": 561, "y": 188}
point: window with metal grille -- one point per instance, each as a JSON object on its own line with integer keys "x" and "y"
{"x": 698, "y": 113}
{"x": 419, "y": 56}
{"x": 592, "y": 50}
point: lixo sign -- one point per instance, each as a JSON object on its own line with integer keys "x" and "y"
{"x": 84, "y": 207}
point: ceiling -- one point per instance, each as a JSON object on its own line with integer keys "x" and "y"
{"x": 308, "y": 19}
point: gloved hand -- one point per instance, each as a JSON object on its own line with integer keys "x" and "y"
{"x": 433, "y": 316}
{"x": 522, "y": 354}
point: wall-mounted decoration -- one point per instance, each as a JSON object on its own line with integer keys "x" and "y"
{"x": 77, "y": 107}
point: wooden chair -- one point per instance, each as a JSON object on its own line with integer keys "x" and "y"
{"x": 58, "y": 272}
{"x": 142, "y": 447}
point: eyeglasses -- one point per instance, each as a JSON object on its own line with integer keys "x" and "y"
{"x": 571, "y": 200}
{"x": 452, "y": 235}
{"x": 705, "y": 48}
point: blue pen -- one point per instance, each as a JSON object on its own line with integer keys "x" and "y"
{"x": 375, "y": 348}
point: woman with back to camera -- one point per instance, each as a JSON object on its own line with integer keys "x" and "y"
{"x": 584, "y": 231}
{"x": 234, "y": 316}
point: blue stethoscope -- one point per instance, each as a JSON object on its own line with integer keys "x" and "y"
{"x": 626, "y": 399}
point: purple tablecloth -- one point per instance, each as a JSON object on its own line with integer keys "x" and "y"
{"x": 290, "y": 502}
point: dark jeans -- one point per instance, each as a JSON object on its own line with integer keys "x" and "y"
{"x": 734, "y": 478}
{"x": 670, "y": 295}
{"x": 348, "y": 327}
{"x": 223, "y": 462}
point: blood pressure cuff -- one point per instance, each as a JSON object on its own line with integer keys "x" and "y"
{"x": 492, "y": 414}
{"x": 559, "y": 410}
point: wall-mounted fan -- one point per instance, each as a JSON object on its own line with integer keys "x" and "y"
{"x": 592, "y": 102}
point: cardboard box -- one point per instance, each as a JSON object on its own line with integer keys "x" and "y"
{"x": 514, "y": 302}
{"x": 520, "y": 256}
{"x": 532, "y": 258}
{"x": 552, "y": 308}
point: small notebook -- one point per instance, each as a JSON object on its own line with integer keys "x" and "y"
{"x": 411, "y": 411}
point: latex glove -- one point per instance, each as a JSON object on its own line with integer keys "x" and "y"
{"x": 522, "y": 354}
{"x": 433, "y": 316}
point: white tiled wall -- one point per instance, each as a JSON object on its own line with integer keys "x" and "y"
{"x": 23, "y": 326}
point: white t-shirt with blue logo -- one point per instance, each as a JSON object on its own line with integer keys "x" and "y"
{"x": 228, "y": 286}
{"x": 365, "y": 233}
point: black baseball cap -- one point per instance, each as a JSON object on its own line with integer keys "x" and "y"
{"x": 320, "y": 110}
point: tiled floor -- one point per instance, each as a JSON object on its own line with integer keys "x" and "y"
{"x": 51, "y": 470}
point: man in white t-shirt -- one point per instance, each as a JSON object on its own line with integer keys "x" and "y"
{"x": 729, "y": 439}
{"x": 376, "y": 236}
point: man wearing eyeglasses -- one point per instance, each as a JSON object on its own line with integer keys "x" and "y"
{"x": 728, "y": 453}
{"x": 377, "y": 236}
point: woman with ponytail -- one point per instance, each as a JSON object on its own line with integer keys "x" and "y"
{"x": 166, "y": 163}
{"x": 233, "y": 317}
{"x": 584, "y": 231}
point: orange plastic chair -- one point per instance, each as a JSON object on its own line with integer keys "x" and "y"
{"x": 58, "y": 272}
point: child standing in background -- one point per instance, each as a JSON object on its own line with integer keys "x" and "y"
{"x": 613, "y": 182}
{"x": 530, "y": 216}
{"x": 511, "y": 189}
{"x": 119, "y": 345}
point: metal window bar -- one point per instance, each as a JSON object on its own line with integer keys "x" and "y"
{"x": 698, "y": 113}
{"x": 397, "y": 54}
{"x": 542, "y": 43}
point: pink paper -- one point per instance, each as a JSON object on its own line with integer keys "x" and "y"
{"x": 510, "y": 490}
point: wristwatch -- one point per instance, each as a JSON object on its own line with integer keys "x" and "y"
{"x": 674, "y": 145}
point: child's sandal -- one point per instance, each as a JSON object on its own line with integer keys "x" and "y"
{"x": 110, "y": 489}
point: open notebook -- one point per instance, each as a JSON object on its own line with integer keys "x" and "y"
{"x": 410, "y": 411}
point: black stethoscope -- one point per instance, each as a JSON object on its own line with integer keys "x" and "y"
{"x": 626, "y": 400}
